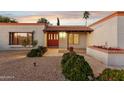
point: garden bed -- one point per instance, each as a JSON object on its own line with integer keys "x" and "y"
{"x": 108, "y": 50}
{"x": 109, "y": 56}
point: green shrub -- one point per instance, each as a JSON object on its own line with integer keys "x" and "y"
{"x": 74, "y": 67}
{"x": 38, "y": 52}
{"x": 112, "y": 75}
{"x": 34, "y": 53}
{"x": 43, "y": 49}
{"x": 67, "y": 56}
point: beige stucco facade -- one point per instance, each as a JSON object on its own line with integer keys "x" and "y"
{"x": 4, "y": 36}
{"x": 110, "y": 31}
{"x": 39, "y": 35}
{"x": 104, "y": 32}
{"x": 120, "y": 33}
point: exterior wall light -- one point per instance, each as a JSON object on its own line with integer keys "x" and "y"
{"x": 62, "y": 35}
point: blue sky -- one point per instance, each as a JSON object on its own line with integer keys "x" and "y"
{"x": 66, "y": 17}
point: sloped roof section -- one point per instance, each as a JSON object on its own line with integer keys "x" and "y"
{"x": 68, "y": 28}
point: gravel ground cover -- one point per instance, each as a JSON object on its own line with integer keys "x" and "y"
{"x": 16, "y": 66}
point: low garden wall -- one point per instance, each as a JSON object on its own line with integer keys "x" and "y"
{"x": 108, "y": 57}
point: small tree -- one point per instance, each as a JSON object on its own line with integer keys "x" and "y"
{"x": 5, "y": 19}
{"x": 86, "y": 15}
{"x": 58, "y": 22}
{"x": 43, "y": 20}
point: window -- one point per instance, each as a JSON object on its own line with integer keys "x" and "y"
{"x": 52, "y": 36}
{"x": 16, "y": 38}
{"x": 76, "y": 38}
{"x": 49, "y": 36}
{"x": 55, "y": 36}
{"x": 73, "y": 38}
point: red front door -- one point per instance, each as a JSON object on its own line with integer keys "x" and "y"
{"x": 52, "y": 39}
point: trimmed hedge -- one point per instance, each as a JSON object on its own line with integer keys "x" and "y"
{"x": 38, "y": 52}
{"x": 75, "y": 67}
{"x": 111, "y": 75}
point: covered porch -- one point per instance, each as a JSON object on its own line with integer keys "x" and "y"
{"x": 66, "y": 36}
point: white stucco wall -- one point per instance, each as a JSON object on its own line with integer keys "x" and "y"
{"x": 103, "y": 57}
{"x": 110, "y": 59}
{"x": 104, "y": 32}
{"x": 121, "y": 31}
{"x": 5, "y": 29}
{"x": 116, "y": 60}
{"x": 45, "y": 39}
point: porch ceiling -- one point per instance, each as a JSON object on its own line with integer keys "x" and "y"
{"x": 68, "y": 29}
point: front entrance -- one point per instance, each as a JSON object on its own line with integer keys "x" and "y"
{"x": 52, "y": 39}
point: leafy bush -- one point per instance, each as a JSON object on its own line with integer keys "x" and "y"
{"x": 34, "y": 53}
{"x": 43, "y": 49}
{"x": 74, "y": 67}
{"x": 38, "y": 52}
{"x": 66, "y": 57}
{"x": 112, "y": 75}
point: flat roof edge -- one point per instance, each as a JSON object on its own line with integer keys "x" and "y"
{"x": 119, "y": 13}
{"x": 22, "y": 24}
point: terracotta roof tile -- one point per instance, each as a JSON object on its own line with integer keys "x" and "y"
{"x": 68, "y": 28}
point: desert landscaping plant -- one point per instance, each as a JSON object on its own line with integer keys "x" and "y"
{"x": 76, "y": 68}
{"x": 111, "y": 75}
{"x": 38, "y": 52}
